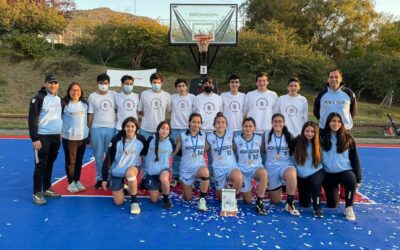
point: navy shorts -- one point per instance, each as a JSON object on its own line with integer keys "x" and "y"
{"x": 152, "y": 182}
{"x": 116, "y": 183}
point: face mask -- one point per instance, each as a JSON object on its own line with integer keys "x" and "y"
{"x": 128, "y": 88}
{"x": 208, "y": 89}
{"x": 156, "y": 87}
{"x": 103, "y": 87}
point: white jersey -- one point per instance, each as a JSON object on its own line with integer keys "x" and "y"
{"x": 259, "y": 105}
{"x": 208, "y": 106}
{"x": 75, "y": 121}
{"x": 295, "y": 111}
{"x": 103, "y": 109}
{"x": 277, "y": 152}
{"x": 154, "y": 106}
{"x": 222, "y": 152}
{"x": 126, "y": 106}
{"x": 249, "y": 153}
{"x": 192, "y": 152}
{"x": 181, "y": 109}
{"x": 233, "y": 106}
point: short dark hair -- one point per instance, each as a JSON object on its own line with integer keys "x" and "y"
{"x": 127, "y": 77}
{"x": 261, "y": 74}
{"x": 207, "y": 79}
{"x": 294, "y": 79}
{"x": 179, "y": 80}
{"x": 102, "y": 77}
{"x": 338, "y": 70}
{"x": 233, "y": 76}
{"x": 156, "y": 76}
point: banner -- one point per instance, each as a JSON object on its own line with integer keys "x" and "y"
{"x": 142, "y": 77}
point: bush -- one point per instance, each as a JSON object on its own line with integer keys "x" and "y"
{"x": 29, "y": 44}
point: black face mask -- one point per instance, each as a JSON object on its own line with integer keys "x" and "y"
{"x": 208, "y": 89}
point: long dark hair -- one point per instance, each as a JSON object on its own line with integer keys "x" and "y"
{"x": 190, "y": 119}
{"x": 344, "y": 139}
{"x": 122, "y": 133}
{"x": 67, "y": 98}
{"x": 158, "y": 137}
{"x": 285, "y": 131}
{"x": 301, "y": 143}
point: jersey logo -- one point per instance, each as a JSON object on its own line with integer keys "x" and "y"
{"x": 234, "y": 106}
{"x": 105, "y": 105}
{"x": 182, "y": 105}
{"x": 156, "y": 103}
{"x": 33, "y": 101}
{"x": 262, "y": 103}
{"x": 209, "y": 107}
{"x": 291, "y": 110}
{"x": 129, "y": 105}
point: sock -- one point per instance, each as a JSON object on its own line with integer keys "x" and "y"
{"x": 290, "y": 199}
{"x": 203, "y": 195}
{"x": 133, "y": 199}
{"x": 165, "y": 197}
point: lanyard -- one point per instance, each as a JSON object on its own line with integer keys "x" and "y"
{"x": 251, "y": 147}
{"x": 222, "y": 142}
{"x": 278, "y": 148}
{"x": 194, "y": 145}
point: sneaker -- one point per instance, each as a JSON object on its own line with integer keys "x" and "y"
{"x": 167, "y": 204}
{"x": 292, "y": 210}
{"x": 98, "y": 185}
{"x": 318, "y": 213}
{"x": 135, "y": 209}
{"x": 72, "y": 188}
{"x": 202, "y": 205}
{"x": 349, "y": 213}
{"x": 38, "y": 199}
{"x": 174, "y": 182}
{"x": 79, "y": 186}
{"x": 260, "y": 208}
{"x": 51, "y": 193}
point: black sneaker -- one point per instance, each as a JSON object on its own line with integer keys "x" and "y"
{"x": 318, "y": 213}
{"x": 98, "y": 185}
{"x": 261, "y": 209}
{"x": 50, "y": 193}
{"x": 38, "y": 199}
{"x": 167, "y": 204}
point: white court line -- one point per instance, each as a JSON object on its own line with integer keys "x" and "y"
{"x": 64, "y": 177}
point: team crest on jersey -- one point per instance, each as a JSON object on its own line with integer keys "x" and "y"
{"x": 186, "y": 139}
{"x": 262, "y": 103}
{"x": 33, "y": 101}
{"x": 291, "y": 110}
{"x": 105, "y": 105}
{"x": 156, "y": 103}
{"x": 182, "y": 105}
{"x": 129, "y": 105}
{"x": 209, "y": 107}
{"x": 110, "y": 145}
{"x": 234, "y": 106}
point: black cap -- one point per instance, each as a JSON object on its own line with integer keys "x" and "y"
{"x": 50, "y": 78}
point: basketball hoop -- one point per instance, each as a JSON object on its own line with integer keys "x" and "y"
{"x": 203, "y": 40}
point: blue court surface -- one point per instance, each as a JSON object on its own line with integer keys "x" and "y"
{"x": 96, "y": 223}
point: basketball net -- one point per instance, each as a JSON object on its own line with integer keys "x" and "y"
{"x": 203, "y": 40}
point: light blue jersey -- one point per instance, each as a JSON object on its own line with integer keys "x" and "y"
{"x": 336, "y": 101}
{"x": 277, "y": 152}
{"x": 308, "y": 168}
{"x": 334, "y": 162}
{"x": 50, "y": 122}
{"x": 192, "y": 153}
{"x": 126, "y": 157}
{"x": 165, "y": 149}
{"x": 75, "y": 121}
{"x": 222, "y": 152}
{"x": 249, "y": 153}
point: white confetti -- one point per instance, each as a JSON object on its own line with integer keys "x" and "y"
{"x": 46, "y": 219}
{"x": 307, "y": 245}
{"x": 277, "y": 247}
{"x": 8, "y": 224}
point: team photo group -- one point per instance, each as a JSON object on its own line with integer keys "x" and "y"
{"x": 216, "y": 141}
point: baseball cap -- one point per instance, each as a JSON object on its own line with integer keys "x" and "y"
{"x": 50, "y": 78}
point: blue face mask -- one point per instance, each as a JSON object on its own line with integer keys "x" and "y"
{"x": 156, "y": 87}
{"x": 127, "y": 88}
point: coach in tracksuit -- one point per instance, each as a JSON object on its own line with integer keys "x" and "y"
{"x": 44, "y": 129}
{"x": 335, "y": 98}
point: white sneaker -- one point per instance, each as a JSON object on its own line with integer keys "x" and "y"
{"x": 202, "y": 205}
{"x": 135, "y": 209}
{"x": 72, "y": 188}
{"x": 79, "y": 186}
{"x": 349, "y": 213}
{"x": 292, "y": 210}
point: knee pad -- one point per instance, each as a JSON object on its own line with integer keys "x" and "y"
{"x": 205, "y": 178}
{"x": 131, "y": 178}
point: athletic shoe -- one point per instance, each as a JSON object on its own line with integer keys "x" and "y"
{"x": 318, "y": 213}
{"x": 167, "y": 204}
{"x": 98, "y": 185}
{"x": 72, "y": 188}
{"x": 174, "y": 182}
{"x": 135, "y": 209}
{"x": 51, "y": 193}
{"x": 202, "y": 205}
{"x": 38, "y": 199}
{"x": 79, "y": 186}
{"x": 349, "y": 213}
{"x": 292, "y": 210}
{"x": 261, "y": 209}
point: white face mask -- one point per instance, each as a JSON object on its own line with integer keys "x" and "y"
{"x": 128, "y": 88}
{"x": 103, "y": 87}
{"x": 156, "y": 87}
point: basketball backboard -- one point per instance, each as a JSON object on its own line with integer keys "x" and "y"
{"x": 216, "y": 20}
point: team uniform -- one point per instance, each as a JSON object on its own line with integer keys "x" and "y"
{"x": 259, "y": 106}
{"x": 249, "y": 158}
{"x": 181, "y": 109}
{"x": 224, "y": 160}
{"x": 74, "y": 134}
{"x": 208, "y": 106}
{"x": 192, "y": 156}
{"x": 278, "y": 160}
{"x": 102, "y": 107}
{"x": 295, "y": 111}
{"x": 119, "y": 158}
{"x": 45, "y": 125}
{"x": 127, "y": 105}
{"x": 154, "y": 168}
{"x": 342, "y": 101}
{"x": 233, "y": 108}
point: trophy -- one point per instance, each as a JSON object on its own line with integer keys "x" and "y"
{"x": 229, "y": 204}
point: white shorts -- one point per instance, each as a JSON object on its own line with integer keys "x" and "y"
{"x": 188, "y": 177}
{"x": 247, "y": 186}
{"x": 275, "y": 177}
{"x": 220, "y": 180}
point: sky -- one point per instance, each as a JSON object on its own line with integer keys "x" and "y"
{"x": 159, "y": 9}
